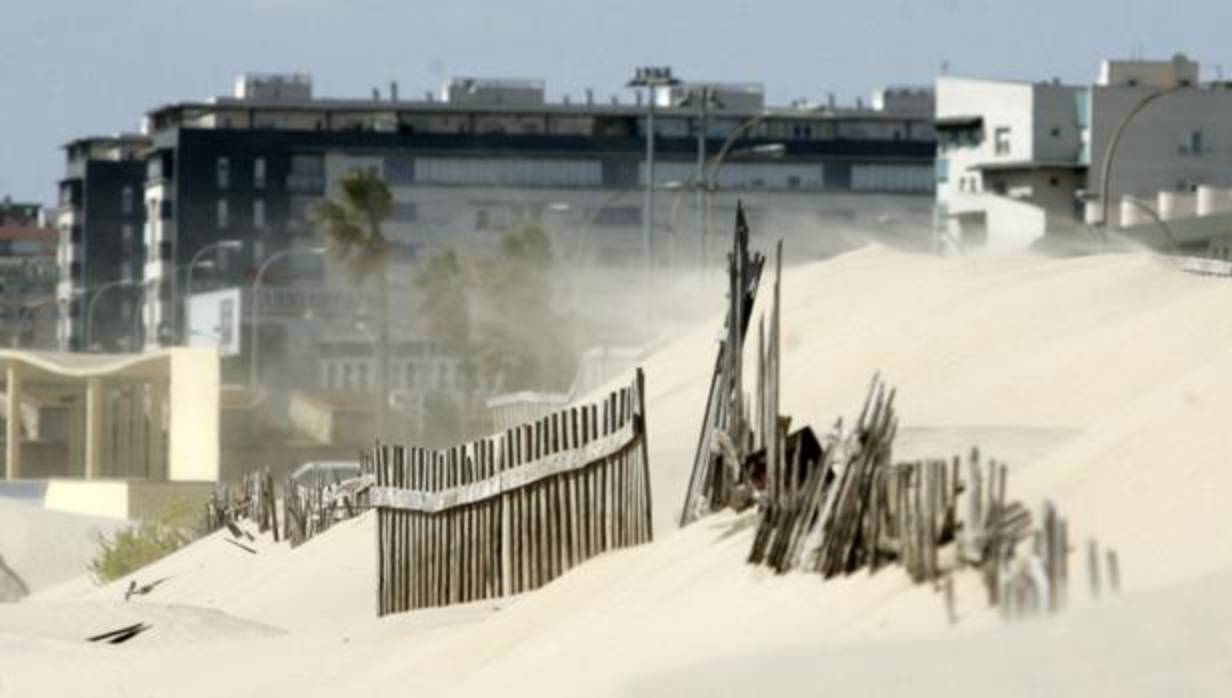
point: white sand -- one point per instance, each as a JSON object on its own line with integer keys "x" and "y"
{"x": 45, "y": 547}
{"x": 1104, "y": 380}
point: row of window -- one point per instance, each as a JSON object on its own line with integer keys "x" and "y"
{"x": 222, "y": 173}
{"x": 358, "y": 375}
{"x": 222, "y": 214}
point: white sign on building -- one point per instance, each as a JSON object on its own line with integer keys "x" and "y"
{"x": 214, "y": 320}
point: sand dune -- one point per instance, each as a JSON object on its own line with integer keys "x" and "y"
{"x": 42, "y": 548}
{"x": 1103, "y": 381}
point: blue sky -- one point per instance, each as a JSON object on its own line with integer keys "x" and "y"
{"x": 69, "y": 69}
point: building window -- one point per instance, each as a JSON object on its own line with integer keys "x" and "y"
{"x": 482, "y": 219}
{"x": 1001, "y": 140}
{"x": 618, "y": 216}
{"x": 1056, "y": 131}
{"x": 258, "y": 213}
{"x": 222, "y": 172}
{"x": 126, "y": 201}
{"x": 404, "y": 212}
{"x": 362, "y": 381}
{"x": 1193, "y": 143}
{"x": 408, "y": 375}
{"x": 223, "y": 215}
{"x": 399, "y": 171}
{"x": 258, "y": 173}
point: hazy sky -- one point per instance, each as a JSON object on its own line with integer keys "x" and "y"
{"x": 69, "y": 69}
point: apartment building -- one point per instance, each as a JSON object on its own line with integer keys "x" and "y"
{"x": 1017, "y": 160}
{"x": 99, "y": 220}
{"x": 27, "y": 276}
{"x": 226, "y": 185}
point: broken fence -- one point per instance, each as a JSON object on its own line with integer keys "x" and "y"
{"x": 509, "y": 513}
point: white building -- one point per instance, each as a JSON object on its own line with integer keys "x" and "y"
{"x": 1014, "y": 157}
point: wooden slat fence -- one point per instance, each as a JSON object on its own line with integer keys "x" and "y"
{"x": 306, "y": 509}
{"x": 725, "y": 435}
{"x": 508, "y": 513}
{"x": 838, "y": 505}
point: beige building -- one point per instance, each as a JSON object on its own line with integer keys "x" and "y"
{"x": 1019, "y": 160}
{"x": 112, "y": 435}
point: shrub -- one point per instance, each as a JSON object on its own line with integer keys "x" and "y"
{"x": 135, "y": 547}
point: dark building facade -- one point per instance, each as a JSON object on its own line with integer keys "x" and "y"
{"x": 99, "y": 221}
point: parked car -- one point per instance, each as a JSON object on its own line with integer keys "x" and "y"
{"x": 327, "y": 472}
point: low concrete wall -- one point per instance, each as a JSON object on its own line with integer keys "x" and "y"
{"x": 107, "y": 498}
{"x": 121, "y": 499}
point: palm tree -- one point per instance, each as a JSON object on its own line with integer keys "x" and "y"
{"x": 352, "y": 224}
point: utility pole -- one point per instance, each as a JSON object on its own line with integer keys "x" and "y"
{"x": 651, "y": 78}
{"x": 703, "y": 97}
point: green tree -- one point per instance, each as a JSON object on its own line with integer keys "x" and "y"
{"x": 524, "y": 343}
{"x": 445, "y": 297}
{"x": 445, "y": 302}
{"x": 352, "y": 224}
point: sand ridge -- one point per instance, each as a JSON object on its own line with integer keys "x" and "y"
{"x": 1106, "y": 380}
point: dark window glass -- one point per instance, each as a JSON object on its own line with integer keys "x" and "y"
{"x": 399, "y": 170}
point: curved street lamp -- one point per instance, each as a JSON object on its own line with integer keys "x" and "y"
{"x": 254, "y": 317}
{"x": 98, "y": 292}
{"x": 1110, "y": 151}
{"x": 651, "y": 78}
{"x": 710, "y": 179}
{"x": 192, "y": 264}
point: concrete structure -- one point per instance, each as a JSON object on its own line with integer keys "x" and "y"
{"x": 1005, "y": 145}
{"x": 146, "y": 418}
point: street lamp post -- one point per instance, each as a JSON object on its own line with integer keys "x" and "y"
{"x": 1110, "y": 152}
{"x": 98, "y": 292}
{"x": 254, "y": 317}
{"x": 704, "y": 99}
{"x": 708, "y": 181}
{"x": 192, "y": 264}
{"x": 651, "y": 78}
